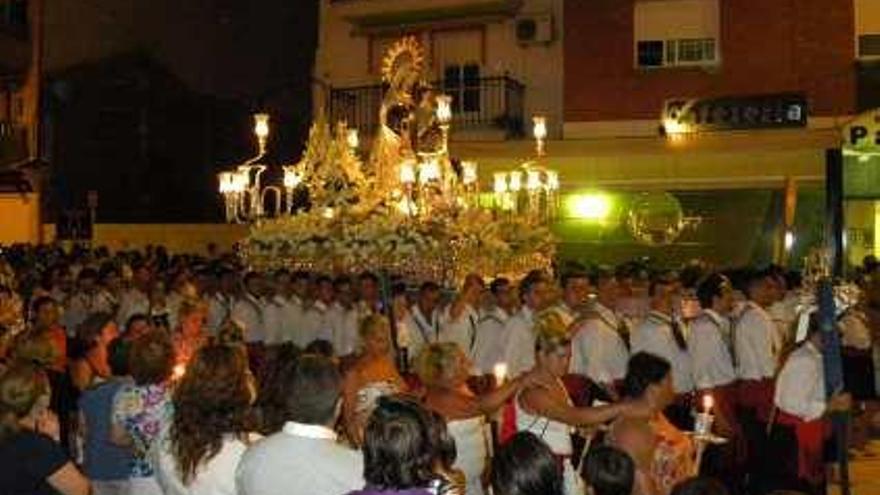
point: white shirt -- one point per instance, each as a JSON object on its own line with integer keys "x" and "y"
{"x": 784, "y": 313}
{"x": 421, "y": 330}
{"x": 301, "y": 459}
{"x": 491, "y": 340}
{"x": 800, "y": 387}
{"x": 132, "y": 302}
{"x": 598, "y": 350}
{"x": 655, "y": 336}
{"x": 755, "y": 344}
{"x": 247, "y": 311}
{"x": 219, "y": 310}
{"x": 81, "y": 305}
{"x": 708, "y": 343}
{"x": 317, "y": 324}
{"x": 273, "y": 319}
{"x": 215, "y": 477}
{"x": 462, "y": 330}
{"x": 345, "y": 328}
{"x": 519, "y": 353}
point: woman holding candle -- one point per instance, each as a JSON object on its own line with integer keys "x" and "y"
{"x": 663, "y": 454}
{"x": 443, "y": 369}
{"x": 547, "y": 411}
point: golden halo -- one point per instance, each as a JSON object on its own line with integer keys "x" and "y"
{"x": 407, "y": 49}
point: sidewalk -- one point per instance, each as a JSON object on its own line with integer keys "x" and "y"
{"x": 864, "y": 473}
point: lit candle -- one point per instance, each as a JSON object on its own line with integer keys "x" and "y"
{"x": 407, "y": 172}
{"x": 708, "y": 402}
{"x": 468, "y": 172}
{"x": 429, "y": 171}
{"x": 178, "y": 372}
{"x": 444, "y": 109}
{"x": 539, "y": 127}
{"x": 552, "y": 180}
{"x": 533, "y": 180}
{"x": 227, "y": 182}
{"x": 352, "y": 138}
{"x": 515, "y": 181}
{"x": 500, "y": 372}
{"x": 500, "y": 182}
{"x": 261, "y": 125}
{"x": 291, "y": 178}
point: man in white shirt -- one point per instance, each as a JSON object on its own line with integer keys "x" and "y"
{"x": 600, "y": 347}
{"x": 135, "y": 300}
{"x": 756, "y": 348}
{"x": 797, "y": 434}
{"x": 458, "y": 322}
{"x": 575, "y": 291}
{"x": 305, "y": 457}
{"x": 709, "y": 337}
{"x": 318, "y": 320}
{"x": 248, "y": 309}
{"x": 491, "y": 339}
{"x": 281, "y": 311}
{"x": 86, "y": 299}
{"x": 220, "y": 301}
{"x": 714, "y": 375}
{"x": 344, "y": 315}
{"x": 663, "y": 335}
{"x": 423, "y": 320}
{"x": 519, "y": 351}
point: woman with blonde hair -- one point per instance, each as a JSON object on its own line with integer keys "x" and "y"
{"x": 371, "y": 375}
{"x": 548, "y": 411}
{"x": 444, "y": 369}
{"x": 32, "y": 459}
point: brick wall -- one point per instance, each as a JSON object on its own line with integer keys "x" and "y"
{"x": 767, "y": 46}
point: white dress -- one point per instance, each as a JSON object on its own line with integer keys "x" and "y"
{"x": 557, "y": 436}
{"x": 473, "y": 446}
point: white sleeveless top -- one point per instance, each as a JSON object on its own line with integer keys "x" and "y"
{"x": 556, "y": 435}
{"x": 473, "y": 444}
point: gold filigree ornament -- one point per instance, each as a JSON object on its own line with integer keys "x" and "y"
{"x": 403, "y": 62}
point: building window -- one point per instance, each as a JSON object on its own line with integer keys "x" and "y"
{"x": 13, "y": 15}
{"x": 869, "y": 46}
{"x": 675, "y": 33}
{"x": 676, "y": 53}
{"x": 650, "y": 53}
{"x": 462, "y": 82}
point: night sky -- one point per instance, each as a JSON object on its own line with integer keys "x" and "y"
{"x": 146, "y": 100}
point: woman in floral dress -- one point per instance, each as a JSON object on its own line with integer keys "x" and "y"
{"x": 663, "y": 454}
{"x": 143, "y": 410}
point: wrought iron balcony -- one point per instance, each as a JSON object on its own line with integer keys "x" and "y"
{"x": 480, "y": 104}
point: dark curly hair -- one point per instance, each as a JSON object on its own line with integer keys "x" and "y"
{"x": 397, "y": 449}
{"x": 213, "y": 399}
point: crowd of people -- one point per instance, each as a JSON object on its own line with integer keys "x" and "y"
{"x": 147, "y": 373}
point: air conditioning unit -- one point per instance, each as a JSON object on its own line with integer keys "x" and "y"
{"x": 534, "y": 29}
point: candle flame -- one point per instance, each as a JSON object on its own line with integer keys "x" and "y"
{"x": 179, "y": 371}
{"x": 500, "y": 372}
{"x": 708, "y": 402}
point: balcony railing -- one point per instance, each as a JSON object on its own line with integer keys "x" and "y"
{"x": 485, "y": 104}
{"x": 12, "y": 143}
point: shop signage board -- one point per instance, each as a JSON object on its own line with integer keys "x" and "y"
{"x": 774, "y": 111}
{"x": 863, "y": 133}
